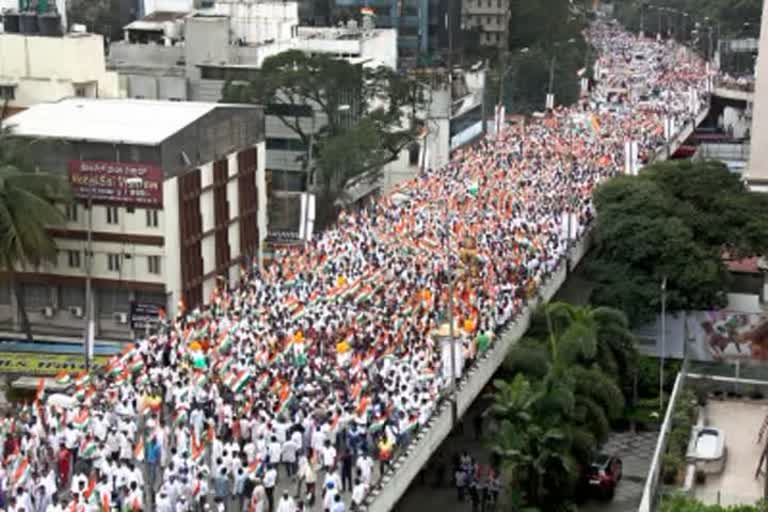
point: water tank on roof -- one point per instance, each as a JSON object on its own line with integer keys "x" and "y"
{"x": 11, "y": 21}
{"x": 28, "y": 23}
{"x": 50, "y": 24}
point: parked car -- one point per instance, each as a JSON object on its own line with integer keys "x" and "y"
{"x": 603, "y": 475}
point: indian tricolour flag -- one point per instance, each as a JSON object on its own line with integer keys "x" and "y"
{"x": 200, "y": 379}
{"x": 136, "y": 364}
{"x": 63, "y": 378}
{"x": 428, "y": 374}
{"x": 138, "y": 450}
{"x": 180, "y": 417}
{"x": 241, "y": 379}
{"x": 255, "y": 469}
{"x": 377, "y": 424}
{"x": 298, "y": 313}
{"x": 81, "y": 420}
{"x": 285, "y": 403}
{"x": 198, "y": 451}
{"x": 82, "y": 379}
{"x": 22, "y": 472}
{"x": 262, "y": 382}
{"x": 88, "y": 448}
{"x": 412, "y": 424}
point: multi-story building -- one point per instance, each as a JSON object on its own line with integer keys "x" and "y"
{"x": 191, "y": 56}
{"x": 491, "y": 18}
{"x": 170, "y": 201}
{"x": 47, "y": 65}
{"x": 422, "y": 25}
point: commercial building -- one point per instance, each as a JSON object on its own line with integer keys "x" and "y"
{"x": 422, "y": 25}
{"x": 191, "y": 55}
{"x": 39, "y": 63}
{"x": 172, "y": 194}
{"x": 491, "y": 18}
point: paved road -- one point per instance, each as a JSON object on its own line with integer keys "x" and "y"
{"x": 636, "y": 451}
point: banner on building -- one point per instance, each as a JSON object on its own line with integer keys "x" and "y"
{"x": 144, "y": 314}
{"x": 117, "y": 182}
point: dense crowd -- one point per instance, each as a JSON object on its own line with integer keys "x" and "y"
{"x": 292, "y": 390}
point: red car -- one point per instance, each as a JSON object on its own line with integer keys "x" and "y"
{"x": 604, "y": 474}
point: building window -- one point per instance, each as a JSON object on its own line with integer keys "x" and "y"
{"x": 81, "y": 92}
{"x": 113, "y": 216}
{"x": 113, "y": 262}
{"x": 74, "y": 259}
{"x": 152, "y": 218}
{"x": 129, "y": 209}
{"x": 153, "y": 264}
{"x": 8, "y": 92}
{"x": 72, "y": 212}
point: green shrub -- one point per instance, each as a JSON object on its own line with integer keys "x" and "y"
{"x": 671, "y": 466}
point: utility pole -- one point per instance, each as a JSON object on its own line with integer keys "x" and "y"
{"x": 89, "y": 322}
{"x": 451, "y": 333}
{"x": 663, "y": 344}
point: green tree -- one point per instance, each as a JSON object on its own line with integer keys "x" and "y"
{"x": 674, "y": 220}
{"x": 27, "y": 208}
{"x": 365, "y": 116}
{"x": 566, "y": 361}
{"x": 539, "y": 31}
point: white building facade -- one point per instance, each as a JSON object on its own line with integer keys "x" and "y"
{"x": 180, "y": 206}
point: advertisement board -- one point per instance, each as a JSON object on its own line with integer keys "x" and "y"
{"x": 117, "y": 182}
{"x": 43, "y": 364}
{"x": 144, "y": 314}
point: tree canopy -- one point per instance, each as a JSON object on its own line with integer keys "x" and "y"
{"x": 675, "y": 220}
{"x": 368, "y": 111}
{"x": 730, "y": 15}
{"x": 558, "y": 408}
{"x": 537, "y": 32}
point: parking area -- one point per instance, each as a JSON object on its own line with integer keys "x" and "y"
{"x": 636, "y": 452}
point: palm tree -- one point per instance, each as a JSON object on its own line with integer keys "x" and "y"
{"x": 27, "y": 208}
{"x": 574, "y": 383}
{"x": 608, "y": 328}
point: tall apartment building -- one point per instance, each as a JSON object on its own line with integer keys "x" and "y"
{"x": 491, "y": 18}
{"x": 170, "y": 202}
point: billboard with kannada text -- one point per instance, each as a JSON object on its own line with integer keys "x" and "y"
{"x": 129, "y": 183}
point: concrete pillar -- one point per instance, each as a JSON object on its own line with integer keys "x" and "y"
{"x": 757, "y": 170}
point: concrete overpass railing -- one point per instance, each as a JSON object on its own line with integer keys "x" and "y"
{"x": 666, "y": 151}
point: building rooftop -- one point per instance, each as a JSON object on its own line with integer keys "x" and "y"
{"x": 155, "y": 20}
{"x": 125, "y": 121}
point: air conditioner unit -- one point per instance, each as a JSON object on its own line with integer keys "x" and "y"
{"x": 48, "y": 312}
{"x": 76, "y": 311}
{"x": 121, "y": 318}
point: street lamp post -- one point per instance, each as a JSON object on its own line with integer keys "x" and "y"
{"x": 89, "y": 322}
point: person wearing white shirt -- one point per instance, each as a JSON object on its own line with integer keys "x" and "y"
{"x": 286, "y": 503}
{"x": 365, "y": 465}
{"x": 338, "y": 504}
{"x": 328, "y": 455}
{"x": 274, "y": 450}
{"x": 270, "y": 479}
{"x": 358, "y": 494}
